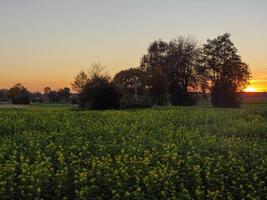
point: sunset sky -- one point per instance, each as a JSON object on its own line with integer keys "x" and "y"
{"x": 46, "y": 42}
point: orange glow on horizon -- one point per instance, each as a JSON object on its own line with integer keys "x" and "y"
{"x": 256, "y": 85}
{"x": 250, "y": 89}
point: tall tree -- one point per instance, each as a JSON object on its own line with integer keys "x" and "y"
{"x": 80, "y": 80}
{"x": 179, "y": 62}
{"x": 182, "y": 71}
{"x": 131, "y": 81}
{"x": 156, "y": 57}
{"x": 3, "y": 95}
{"x": 19, "y": 94}
{"x": 15, "y": 91}
{"x": 228, "y": 74}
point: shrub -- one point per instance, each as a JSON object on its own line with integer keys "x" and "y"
{"x": 181, "y": 98}
{"x": 130, "y": 102}
{"x": 3, "y": 95}
{"x": 22, "y": 98}
{"x": 99, "y": 94}
{"x": 74, "y": 99}
{"x": 19, "y": 94}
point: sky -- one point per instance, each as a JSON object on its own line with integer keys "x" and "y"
{"x": 47, "y": 42}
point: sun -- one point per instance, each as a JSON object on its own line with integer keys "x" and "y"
{"x": 250, "y": 89}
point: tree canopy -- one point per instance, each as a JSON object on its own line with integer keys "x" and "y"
{"x": 227, "y": 73}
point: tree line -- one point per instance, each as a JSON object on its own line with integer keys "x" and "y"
{"x": 175, "y": 72}
{"x": 18, "y": 94}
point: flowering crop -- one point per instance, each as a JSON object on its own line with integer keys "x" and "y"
{"x": 176, "y": 153}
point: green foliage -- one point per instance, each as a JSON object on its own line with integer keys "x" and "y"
{"x": 182, "y": 153}
{"x": 143, "y": 101}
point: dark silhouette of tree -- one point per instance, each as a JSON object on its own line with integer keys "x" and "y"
{"x": 74, "y": 99}
{"x": 15, "y": 91}
{"x": 3, "y": 95}
{"x": 37, "y": 97}
{"x": 99, "y": 94}
{"x": 60, "y": 96}
{"x": 156, "y": 56}
{"x": 227, "y": 73}
{"x": 182, "y": 70}
{"x": 47, "y": 90}
{"x": 19, "y": 94}
{"x": 159, "y": 87}
{"x": 179, "y": 62}
{"x": 80, "y": 80}
{"x": 53, "y": 97}
{"x": 96, "y": 90}
{"x": 64, "y": 94}
{"x": 132, "y": 82}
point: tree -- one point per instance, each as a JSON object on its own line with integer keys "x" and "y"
{"x": 3, "y": 95}
{"x": 64, "y": 94}
{"x": 131, "y": 81}
{"x": 37, "y": 97}
{"x": 80, "y": 80}
{"x": 156, "y": 57}
{"x": 53, "y": 96}
{"x": 159, "y": 87}
{"x": 227, "y": 73}
{"x": 179, "y": 62}
{"x": 19, "y": 94}
{"x": 47, "y": 90}
{"x": 14, "y": 91}
{"x": 99, "y": 94}
{"x": 96, "y": 90}
{"x": 183, "y": 70}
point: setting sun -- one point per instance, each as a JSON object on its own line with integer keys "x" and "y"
{"x": 250, "y": 89}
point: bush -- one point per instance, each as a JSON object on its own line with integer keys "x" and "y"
{"x": 3, "y": 95}
{"x": 131, "y": 102}
{"x": 22, "y": 98}
{"x": 74, "y": 99}
{"x": 179, "y": 98}
{"x": 100, "y": 94}
{"x": 37, "y": 100}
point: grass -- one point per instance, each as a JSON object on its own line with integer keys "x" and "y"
{"x": 259, "y": 107}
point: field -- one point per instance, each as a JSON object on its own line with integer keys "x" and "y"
{"x": 161, "y": 153}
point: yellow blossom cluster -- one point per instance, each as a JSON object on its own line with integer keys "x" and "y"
{"x": 167, "y": 153}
